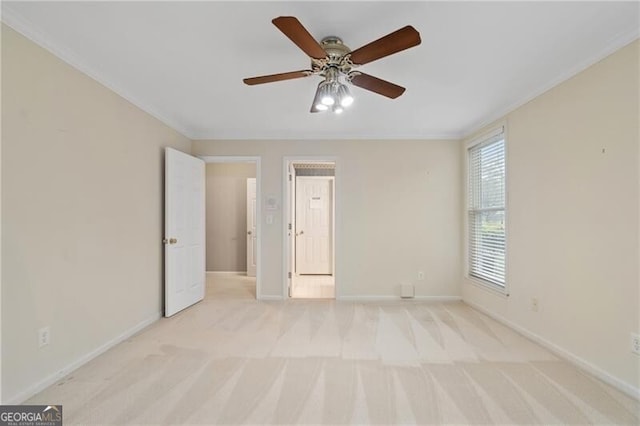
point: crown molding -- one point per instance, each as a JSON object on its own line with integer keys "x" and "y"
{"x": 616, "y": 44}
{"x": 28, "y": 30}
{"x": 39, "y": 37}
{"x": 317, "y": 137}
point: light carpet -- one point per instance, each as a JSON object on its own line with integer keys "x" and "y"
{"x": 234, "y": 360}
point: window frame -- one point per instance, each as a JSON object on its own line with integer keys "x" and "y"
{"x": 479, "y": 281}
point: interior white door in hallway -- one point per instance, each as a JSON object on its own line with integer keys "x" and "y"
{"x": 314, "y": 225}
{"x": 184, "y": 242}
{"x": 252, "y": 234}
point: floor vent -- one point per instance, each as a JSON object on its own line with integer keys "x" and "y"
{"x": 407, "y": 291}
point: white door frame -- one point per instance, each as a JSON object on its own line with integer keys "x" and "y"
{"x": 252, "y": 227}
{"x": 286, "y": 219}
{"x": 248, "y": 159}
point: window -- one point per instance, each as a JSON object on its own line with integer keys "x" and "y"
{"x": 486, "y": 190}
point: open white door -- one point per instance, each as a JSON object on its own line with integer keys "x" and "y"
{"x": 314, "y": 225}
{"x": 184, "y": 243}
{"x": 252, "y": 234}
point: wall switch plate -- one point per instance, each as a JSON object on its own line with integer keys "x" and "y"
{"x": 44, "y": 336}
{"x": 635, "y": 343}
{"x": 420, "y": 275}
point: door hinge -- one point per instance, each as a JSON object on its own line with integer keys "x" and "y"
{"x": 290, "y": 178}
{"x": 289, "y": 274}
{"x": 289, "y": 227}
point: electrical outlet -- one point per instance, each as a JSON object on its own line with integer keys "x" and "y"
{"x": 420, "y": 275}
{"x": 44, "y": 336}
{"x": 635, "y": 343}
{"x": 534, "y": 304}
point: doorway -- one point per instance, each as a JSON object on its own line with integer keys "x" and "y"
{"x": 310, "y": 221}
{"x": 232, "y": 187}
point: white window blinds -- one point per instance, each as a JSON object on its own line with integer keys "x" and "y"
{"x": 487, "y": 244}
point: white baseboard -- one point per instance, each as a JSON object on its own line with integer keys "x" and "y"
{"x": 53, "y": 378}
{"x": 375, "y": 298}
{"x": 228, "y": 272}
{"x": 622, "y": 386}
{"x": 362, "y": 298}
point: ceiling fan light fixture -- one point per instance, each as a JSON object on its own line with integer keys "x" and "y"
{"x": 317, "y": 104}
{"x": 345, "y": 96}
{"x": 326, "y": 97}
{"x": 328, "y": 100}
{"x": 334, "y": 61}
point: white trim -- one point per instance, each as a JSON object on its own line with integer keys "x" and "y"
{"x": 257, "y": 160}
{"x": 79, "y": 362}
{"x": 362, "y": 298}
{"x": 574, "y": 359}
{"x": 286, "y": 247}
{"x": 285, "y": 135}
{"x": 493, "y": 132}
{"x": 40, "y": 38}
{"x": 507, "y": 218}
{"x": 485, "y": 285}
{"x": 616, "y": 44}
{"x": 500, "y": 128}
{"x": 227, "y": 272}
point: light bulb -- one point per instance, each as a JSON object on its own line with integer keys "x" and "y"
{"x": 345, "y": 97}
{"x": 327, "y": 100}
{"x": 338, "y": 109}
{"x": 346, "y": 101}
{"x": 318, "y": 106}
{"x": 326, "y": 97}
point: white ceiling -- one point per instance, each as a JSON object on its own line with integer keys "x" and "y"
{"x": 184, "y": 62}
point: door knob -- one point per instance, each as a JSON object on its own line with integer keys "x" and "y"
{"x": 300, "y": 233}
{"x": 170, "y": 241}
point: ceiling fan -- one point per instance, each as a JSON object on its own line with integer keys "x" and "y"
{"x": 334, "y": 61}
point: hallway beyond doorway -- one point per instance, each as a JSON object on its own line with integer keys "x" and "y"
{"x": 313, "y": 287}
{"x": 226, "y": 285}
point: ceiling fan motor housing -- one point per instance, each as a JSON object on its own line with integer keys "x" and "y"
{"x": 336, "y": 51}
{"x": 335, "y": 48}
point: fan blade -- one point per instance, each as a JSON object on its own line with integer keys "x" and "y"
{"x": 298, "y": 34}
{"x": 276, "y": 77}
{"x": 377, "y": 85}
{"x": 397, "y": 41}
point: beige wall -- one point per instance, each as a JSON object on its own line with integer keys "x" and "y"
{"x": 398, "y": 212}
{"x": 573, "y": 217}
{"x": 1, "y": 394}
{"x": 81, "y": 214}
{"x": 226, "y": 187}
{"x": 82, "y": 202}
